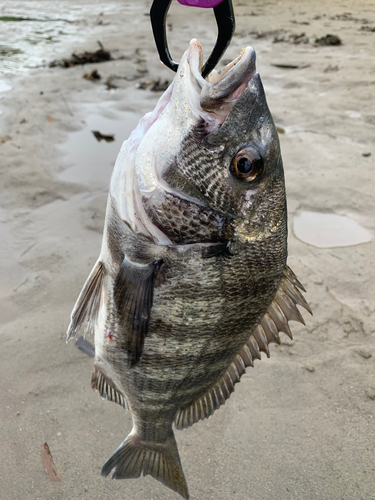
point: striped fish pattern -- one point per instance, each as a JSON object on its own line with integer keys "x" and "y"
{"x": 192, "y": 283}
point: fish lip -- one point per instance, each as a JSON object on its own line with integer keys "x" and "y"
{"x": 225, "y": 85}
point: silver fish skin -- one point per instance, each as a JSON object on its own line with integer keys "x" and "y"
{"x": 191, "y": 283}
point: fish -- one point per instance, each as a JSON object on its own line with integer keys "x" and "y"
{"x": 192, "y": 282}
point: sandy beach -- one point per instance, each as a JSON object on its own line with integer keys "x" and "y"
{"x": 301, "y": 424}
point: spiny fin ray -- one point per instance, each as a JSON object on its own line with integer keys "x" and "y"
{"x": 107, "y": 389}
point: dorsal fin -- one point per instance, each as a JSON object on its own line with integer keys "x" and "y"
{"x": 86, "y": 308}
{"x": 282, "y": 309}
{"x": 106, "y": 388}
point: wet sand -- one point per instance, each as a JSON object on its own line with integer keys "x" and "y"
{"x": 300, "y": 425}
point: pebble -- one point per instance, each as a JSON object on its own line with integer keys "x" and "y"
{"x": 364, "y": 353}
{"x": 370, "y": 393}
{"x": 288, "y": 342}
{"x": 5, "y": 138}
{"x": 309, "y": 368}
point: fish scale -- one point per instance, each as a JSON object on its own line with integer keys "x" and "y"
{"x": 186, "y": 223}
{"x": 192, "y": 283}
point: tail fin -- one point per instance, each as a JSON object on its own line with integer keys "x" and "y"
{"x": 161, "y": 461}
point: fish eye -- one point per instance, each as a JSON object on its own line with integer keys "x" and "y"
{"x": 247, "y": 165}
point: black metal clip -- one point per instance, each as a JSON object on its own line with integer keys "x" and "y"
{"x": 225, "y": 22}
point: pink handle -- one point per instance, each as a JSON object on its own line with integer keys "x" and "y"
{"x": 205, "y": 4}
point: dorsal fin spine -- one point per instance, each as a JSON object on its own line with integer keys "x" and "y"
{"x": 261, "y": 339}
{"x": 241, "y": 367}
{"x": 254, "y": 348}
{"x": 246, "y": 356}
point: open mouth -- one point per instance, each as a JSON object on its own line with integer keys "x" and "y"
{"x": 212, "y": 97}
{"x": 221, "y": 89}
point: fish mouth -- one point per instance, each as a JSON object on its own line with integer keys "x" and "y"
{"x": 220, "y": 90}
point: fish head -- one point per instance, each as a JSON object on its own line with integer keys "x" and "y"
{"x": 212, "y": 145}
{"x": 235, "y": 151}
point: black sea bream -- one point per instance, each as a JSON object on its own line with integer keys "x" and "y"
{"x": 192, "y": 281}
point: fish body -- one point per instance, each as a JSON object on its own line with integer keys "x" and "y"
{"x": 192, "y": 281}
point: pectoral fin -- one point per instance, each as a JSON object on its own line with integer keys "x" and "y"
{"x": 133, "y": 294}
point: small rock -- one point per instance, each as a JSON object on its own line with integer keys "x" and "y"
{"x": 5, "y": 138}
{"x": 94, "y": 75}
{"x": 106, "y": 137}
{"x": 367, "y": 154}
{"x": 58, "y": 434}
{"x": 364, "y": 353}
{"x": 292, "y": 38}
{"x": 370, "y": 393}
{"x": 288, "y": 342}
{"x": 309, "y": 368}
{"x": 154, "y": 85}
{"x": 328, "y": 40}
{"x": 318, "y": 281}
{"x": 109, "y": 83}
{"x": 330, "y": 68}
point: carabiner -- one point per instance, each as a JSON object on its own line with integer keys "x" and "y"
{"x": 225, "y": 23}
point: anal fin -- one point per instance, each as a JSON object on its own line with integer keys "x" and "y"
{"x": 282, "y": 310}
{"x": 107, "y": 389}
{"x": 86, "y": 309}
